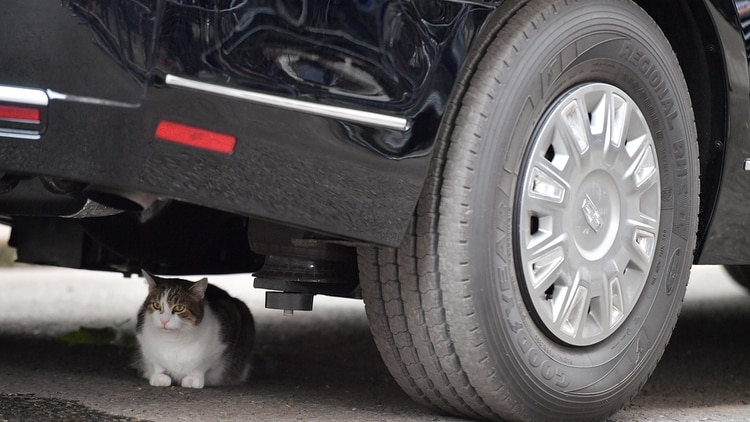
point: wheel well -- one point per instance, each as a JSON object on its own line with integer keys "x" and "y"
{"x": 690, "y": 30}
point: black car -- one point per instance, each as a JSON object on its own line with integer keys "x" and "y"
{"x": 516, "y": 188}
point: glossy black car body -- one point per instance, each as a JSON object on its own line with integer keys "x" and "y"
{"x": 348, "y": 179}
{"x": 215, "y": 136}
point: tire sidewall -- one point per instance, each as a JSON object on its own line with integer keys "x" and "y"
{"x": 633, "y": 56}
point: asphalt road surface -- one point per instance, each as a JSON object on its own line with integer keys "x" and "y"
{"x": 316, "y": 366}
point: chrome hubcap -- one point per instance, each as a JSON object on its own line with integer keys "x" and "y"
{"x": 589, "y": 213}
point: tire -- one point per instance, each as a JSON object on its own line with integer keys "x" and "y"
{"x": 546, "y": 263}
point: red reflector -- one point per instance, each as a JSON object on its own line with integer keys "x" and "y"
{"x": 195, "y": 137}
{"x": 22, "y": 114}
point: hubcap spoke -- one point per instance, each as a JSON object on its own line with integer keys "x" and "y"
{"x": 589, "y": 213}
{"x": 574, "y": 312}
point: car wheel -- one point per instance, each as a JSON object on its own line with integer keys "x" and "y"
{"x": 548, "y": 257}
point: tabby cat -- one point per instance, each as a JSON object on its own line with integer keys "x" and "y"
{"x": 193, "y": 333}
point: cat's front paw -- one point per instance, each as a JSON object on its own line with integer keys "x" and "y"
{"x": 193, "y": 381}
{"x": 160, "y": 380}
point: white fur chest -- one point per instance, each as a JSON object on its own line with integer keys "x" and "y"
{"x": 185, "y": 351}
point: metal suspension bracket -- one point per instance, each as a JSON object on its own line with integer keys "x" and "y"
{"x": 296, "y": 281}
{"x": 298, "y": 266}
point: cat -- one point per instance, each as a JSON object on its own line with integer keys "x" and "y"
{"x": 193, "y": 333}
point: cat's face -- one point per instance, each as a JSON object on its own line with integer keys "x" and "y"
{"x": 173, "y": 304}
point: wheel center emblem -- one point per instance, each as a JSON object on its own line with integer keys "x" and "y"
{"x": 592, "y": 214}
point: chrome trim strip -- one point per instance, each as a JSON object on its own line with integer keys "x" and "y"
{"x": 13, "y": 94}
{"x": 54, "y": 95}
{"x": 356, "y": 116}
{"x": 20, "y": 134}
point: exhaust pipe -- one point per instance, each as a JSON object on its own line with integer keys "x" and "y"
{"x": 122, "y": 199}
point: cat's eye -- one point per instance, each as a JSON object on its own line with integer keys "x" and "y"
{"x": 178, "y": 308}
{"x": 156, "y": 306}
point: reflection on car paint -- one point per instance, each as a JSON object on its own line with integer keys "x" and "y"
{"x": 381, "y": 55}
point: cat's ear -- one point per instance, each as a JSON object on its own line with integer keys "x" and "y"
{"x": 199, "y": 287}
{"x": 149, "y": 279}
